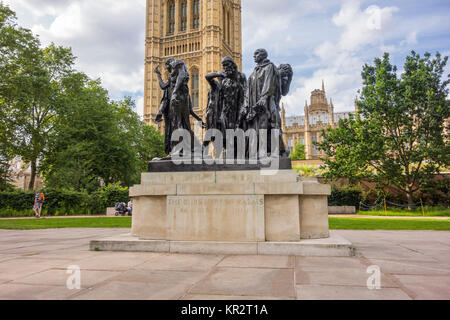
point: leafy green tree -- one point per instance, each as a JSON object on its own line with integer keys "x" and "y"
{"x": 30, "y": 88}
{"x": 96, "y": 141}
{"x": 398, "y": 136}
{"x": 4, "y": 157}
{"x": 151, "y": 146}
{"x": 4, "y": 170}
{"x": 298, "y": 153}
{"x": 52, "y": 115}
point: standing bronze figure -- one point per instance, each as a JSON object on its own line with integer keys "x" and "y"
{"x": 226, "y": 98}
{"x": 167, "y": 87}
{"x": 176, "y": 105}
{"x": 266, "y": 86}
{"x": 286, "y": 73}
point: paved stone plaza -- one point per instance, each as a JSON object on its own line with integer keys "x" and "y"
{"x": 33, "y": 265}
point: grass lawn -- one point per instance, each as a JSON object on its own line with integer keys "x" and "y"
{"x": 125, "y": 222}
{"x": 388, "y": 224}
{"x": 55, "y": 223}
{"x": 429, "y": 212}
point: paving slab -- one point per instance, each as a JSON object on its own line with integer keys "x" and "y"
{"x": 231, "y": 298}
{"x": 392, "y": 251}
{"x": 426, "y": 287}
{"x": 58, "y": 277}
{"x": 247, "y": 281}
{"x": 115, "y": 261}
{"x": 412, "y": 267}
{"x": 414, "y": 264}
{"x": 340, "y": 263}
{"x": 120, "y": 290}
{"x": 74, "y": 254}
{"x": 324, "y": 292}
{"x": 11, "y": 291}
{"x": 5, "y": 257}
{"x": 354, "y": 277}
{"x": 274, "y": 262}
{"x": 143, "y": 285}
{"x": 19, "y": 268}
{"x": 181, "y": 262}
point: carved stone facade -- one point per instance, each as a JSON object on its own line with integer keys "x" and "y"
{"x": 20, "y": 174}
{"x": 200, "y": 32}
{"x": 307, "y": 129}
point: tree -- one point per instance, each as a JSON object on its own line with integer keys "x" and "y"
{"x": 96, "y": 141}
{"x": 30, "y": 88}
{"x": 4, "y": 169}
{"x": 151, "y": 146}
{"x": 299, "y": 152}
{"x": 398, "y": 136}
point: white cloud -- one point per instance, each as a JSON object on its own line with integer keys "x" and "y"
{"x": 328, "y": 40}
{"x": 362, "y": 27}
{"x": 106, "y": 36}
{"x": 67, "y": 25}
{"x": 342, "y": 60}
{"x": 410, "y": 40}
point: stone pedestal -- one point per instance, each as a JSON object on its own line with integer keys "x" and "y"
{"x": 229, "y": 206}
{"x": 229, "y": 212}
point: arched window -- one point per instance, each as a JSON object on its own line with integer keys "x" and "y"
{"x": 229, "y": 28}
{"x": 315, "y": 152}
{"x": 195, "y": 85}
{"x": 224, "y": 24}
{"x": 183, "y": 16}
{"x": 171, "y": 16}
{"x": 195, "y": 14}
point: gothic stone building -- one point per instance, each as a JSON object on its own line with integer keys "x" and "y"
{"x": 200, "y": 32}
{"x": 307, "y": 129}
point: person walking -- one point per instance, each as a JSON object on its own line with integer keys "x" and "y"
{"x": 39, "y": 200}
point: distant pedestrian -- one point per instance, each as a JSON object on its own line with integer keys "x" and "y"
{"x": 130, "y": 207}
{"x": 39, "y": 199}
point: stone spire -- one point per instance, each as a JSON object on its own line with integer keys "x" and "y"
{"x": 331, "y": 112}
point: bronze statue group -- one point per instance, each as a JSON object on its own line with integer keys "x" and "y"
{"x": 234, "y": 104}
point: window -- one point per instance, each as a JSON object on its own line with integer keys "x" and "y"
{"x": 314, "y": 148}
{"x": 224, "y": 26}
{"x": 183, "y": 15}
{"x": 196, "y": 14}
{"x": 229, "y": 28}
{"x": 171, "y": 16}
{"x": 195, "y": 84}
{"x": 290, "y": 144}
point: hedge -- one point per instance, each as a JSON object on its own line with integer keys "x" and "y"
{"x": 345, "y": 197}
{"x": 62, "y": 202}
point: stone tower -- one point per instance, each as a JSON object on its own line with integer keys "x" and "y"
{"x": 200, "y": 32}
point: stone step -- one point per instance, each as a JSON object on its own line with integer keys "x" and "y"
{"x": 334, "y": 246}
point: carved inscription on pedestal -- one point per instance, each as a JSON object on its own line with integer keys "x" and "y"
{"x": 215, "y": 218}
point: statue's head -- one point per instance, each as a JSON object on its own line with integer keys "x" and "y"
{"x": 260, "y": 55}
{"x": 229, "y": 66}
{"x": 169, "y": 64}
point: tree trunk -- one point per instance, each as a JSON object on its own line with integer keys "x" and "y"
{"x": 33, "y": 175}
{"x": 411, "y": 204}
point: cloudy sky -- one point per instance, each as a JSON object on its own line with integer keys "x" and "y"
{"x": 321, "y": 39}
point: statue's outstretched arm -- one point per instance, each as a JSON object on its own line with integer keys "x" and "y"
{"x": 162, "y": 84}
